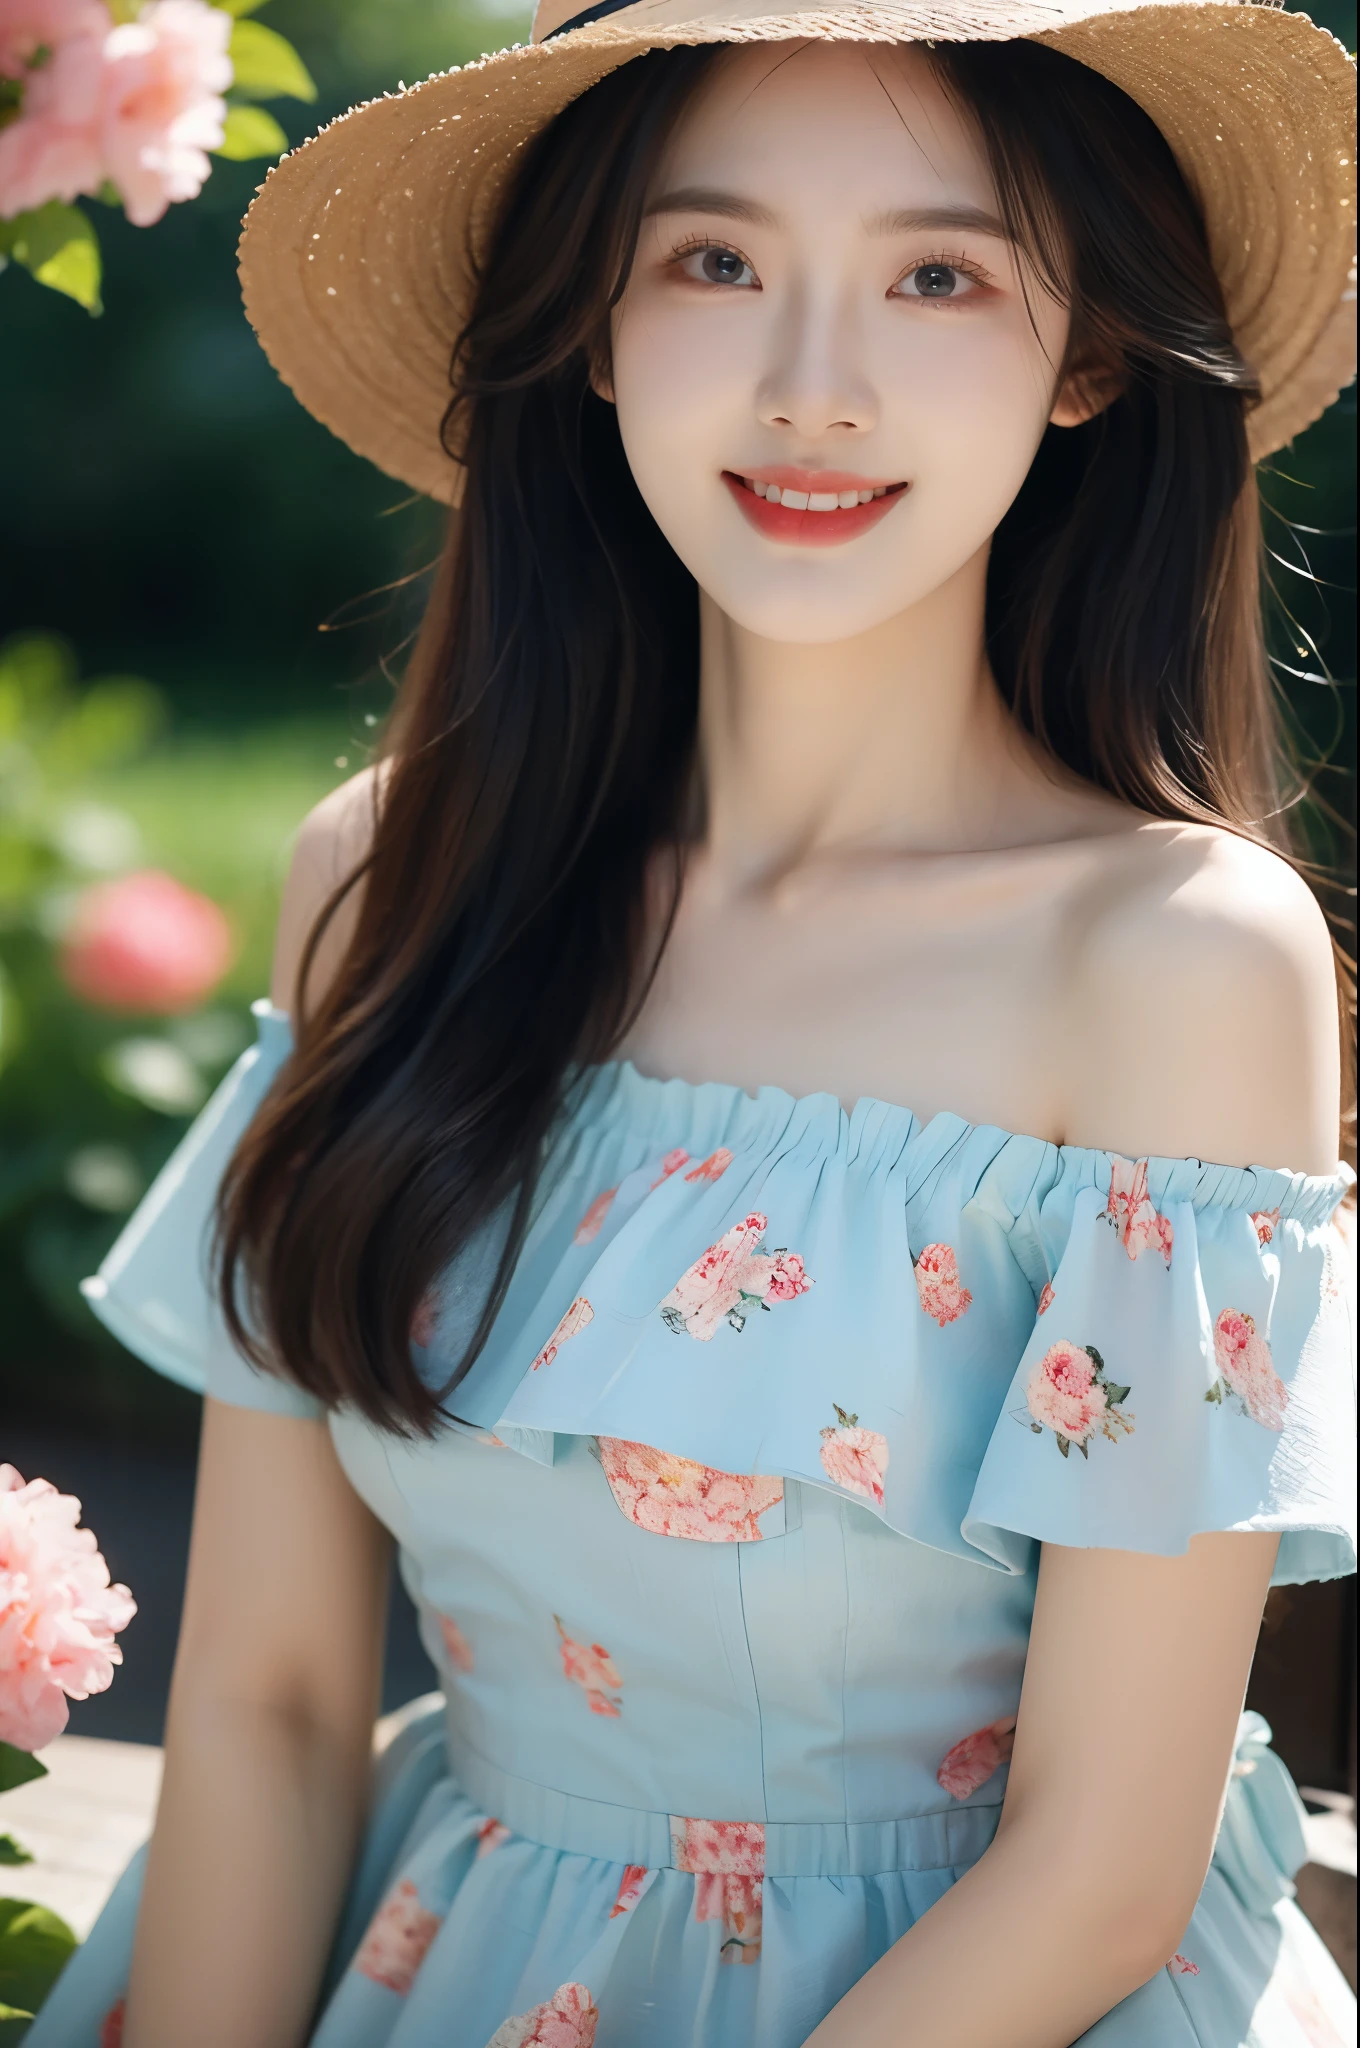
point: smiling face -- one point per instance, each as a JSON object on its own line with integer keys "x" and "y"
{"x": 829, "y": 384}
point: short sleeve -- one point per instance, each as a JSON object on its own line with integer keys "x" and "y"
{"x": 153, "y": 1291}
{"x": 1191, "y": 1368}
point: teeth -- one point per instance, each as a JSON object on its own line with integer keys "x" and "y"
{"x": 797, "y": 501}
{"x": 846, "y": 499}
{"x": 814, "y": 501}
{"x": 761, "y": 490}
{"x": 881, "y": 491}
{"x": 864, "y": 497}
{"x": 823, "y": 501}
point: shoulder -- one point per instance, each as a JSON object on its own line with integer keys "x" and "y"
{"x": 331, "y": 842}
{"x": 1205, "y": 991}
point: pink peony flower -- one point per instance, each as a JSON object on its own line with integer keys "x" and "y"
{"x": 58, "y": 1612}
{"x": 630, "y": 1889}
{"x": 1137, "y": 1224}
{"x": 456, "y": 1645}
{"x": 399, "y": 1934}
{"x": 855, "y": 1458}
{"x": 567, "y": 2020}
{"x": 1248, "y": 1369}
{"x": 145, "y": 942}
{"x": 590, "y": 1666}
{"x": 1064, "y": 1393}
{"x": 1181, "y": 1966}
{"x": 733, "y": 1277}
{"x": 111, "y": 2026}
{"x": 978, "y": 1757}
{"x": 1045, "y": 1298}
{"x": 52, "y": 150}
{"x": 1265, "y": 1221}
{"x": 669, "y": 1164}
{"x": 577, "y": 1316}
{"x": 590, "y": 1225}
{"x": 727, "y": 1859}
{"x": 32, "y": 30}
{"x": 937, "y": 1283}
{"x": 677, "y": 1497}
{"x": 490, "y": 1835}
{"x": 712, "y": 1168}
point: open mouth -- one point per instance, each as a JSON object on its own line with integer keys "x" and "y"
{"x": 812, "y": 508}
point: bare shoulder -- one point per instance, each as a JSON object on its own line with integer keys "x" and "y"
{"x": 1204, "y": 983}
{"x": 331, "y": 842}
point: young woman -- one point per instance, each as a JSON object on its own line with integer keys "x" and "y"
{"x": 721, "y": 1181}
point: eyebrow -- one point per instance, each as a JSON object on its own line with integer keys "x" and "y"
{"x": 911, "y": 220}
{"x": 903, "y": 221}
{"x": 707, "y": 199}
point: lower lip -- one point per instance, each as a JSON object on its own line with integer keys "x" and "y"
{"x": 811, "y": 529}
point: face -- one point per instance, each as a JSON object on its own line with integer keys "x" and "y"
{"x": 829, "y": 382}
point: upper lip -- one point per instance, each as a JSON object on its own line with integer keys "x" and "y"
{"x": 791, "y": 479}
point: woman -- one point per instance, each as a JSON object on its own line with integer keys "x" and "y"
{"x": 841, "y": 1528}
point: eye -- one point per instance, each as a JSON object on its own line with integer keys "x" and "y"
{"x": 937, "y": 281}
{"x": 710, "y": 263}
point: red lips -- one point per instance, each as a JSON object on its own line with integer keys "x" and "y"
{"x": 812, "y": 529}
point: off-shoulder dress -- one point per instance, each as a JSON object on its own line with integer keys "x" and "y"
{"x": 727, "y": 1562}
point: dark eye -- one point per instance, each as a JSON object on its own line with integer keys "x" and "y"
{"x": 935, "y": 281}
{"x": 718, "y": 266}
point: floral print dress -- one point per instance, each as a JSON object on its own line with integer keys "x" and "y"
{"x": 727, "y": 1565}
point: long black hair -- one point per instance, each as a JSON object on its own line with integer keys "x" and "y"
{"x": 540, "y": 763}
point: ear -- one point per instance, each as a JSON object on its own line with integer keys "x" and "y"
{"x": 1085, "y": 391}
{"x": 601, "y": 377}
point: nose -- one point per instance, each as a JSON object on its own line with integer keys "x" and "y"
{"x": 815, "y": 382}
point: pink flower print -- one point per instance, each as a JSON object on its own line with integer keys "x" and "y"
{"x": 734, "y": 1276}
{"x": 1181, "y": 1966}
{"x": 111, "y": 2027}
{"x": 1137, "y": 1225}
{"x": 1069, "y": 1394}
{"x": 1265, "y": 1221}
{"x": 566, "y": 2020}
{"x": 588, "y": 1229}
{"x": 398, "y": 1936}
{"x": 1247, "y": 1370}
{"x": 727, "y": 1860}
{"x": 490, "y": 1835}
{"x": 423, "y": 1322}
{"x": 676, "y": 1497}
{"x": 669, "y": 1164}
{"x": 577, "y": 1316}
{"x": 630, "y": 1890}
{"x": 1045, "y": 1299}
{"x": 456, "y": 1645}
{"x": 592, "y": 1668}
{"x": 978, "y": 1757}
{"x": 937, "y": 1283}
{"x": 712, "y": 1168}
{"x": 855, "y": 1458}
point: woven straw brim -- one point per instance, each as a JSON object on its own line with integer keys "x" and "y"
{"x": 354, "y": 258}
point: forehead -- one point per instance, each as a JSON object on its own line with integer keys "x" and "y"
{"x": 832, "y": 125}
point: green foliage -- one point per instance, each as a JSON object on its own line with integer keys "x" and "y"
{"x": 12, "y": 1852}
{"x": 35, "y": 1945}
{"x": 265, "y": 64}
{"x": 17, "y": 1767}
{"x": 59, "y": 246}
{"x": 250, "y": 132}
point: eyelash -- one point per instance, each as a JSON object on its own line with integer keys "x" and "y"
{"x": 693, "y": 244}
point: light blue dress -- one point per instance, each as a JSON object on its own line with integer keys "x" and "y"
{"x": 728, "y": 1564}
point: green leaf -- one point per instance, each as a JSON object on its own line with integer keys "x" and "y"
{"x": 266, "y": 66}
{"x": 58, "y": 244}
{"x": 35, "y": 1945}
{"x": 238, "y": 7}
{"x": 1117, "y": 1394}
{"x": 17, "y": 1767}
{"x": 1215, "y": 1392}
{"x": 13, "y": 1852}
{"x": 1095, "y": 1357}
{"x": 249, "y": 132}
{"x": 1063, "y": 1445}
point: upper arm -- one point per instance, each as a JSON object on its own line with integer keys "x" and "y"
{"x": 1205, "y": 1011}
{"x": 332, "y": 841}
{"x": 286, "y": 1593}
{"x": 1134, "y": 1681}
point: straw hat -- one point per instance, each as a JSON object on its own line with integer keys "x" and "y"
{"x": 353, "y": 256}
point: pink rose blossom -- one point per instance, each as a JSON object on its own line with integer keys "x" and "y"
{"x": 1248, "y": 1369}
{"x": 490, "y": 1834}
{"x": 1064, "y": 1393}
{"x": 577, "y": 1316}
{"x": 567, "y": 2020}
{"x": 590, "y": 1666}
{"x": 630, "y": 1889}
{"x": 733, "y": 1277}
{"x": 397, "y": 1940}
{"x": 978, "y": 1757}
{"x": 456, "y": 1645}
{"x": 855, "y": 1458}
{"x": 33, "y": 29}
{"x": 712, "y": 1168}
{"x": 590, "y": 1225}
{"x": 677, "y": 1497}
{"x": 669, "y": 1164}
{"x": 58, "y": 1612}
{"x": 145, "y": 942}
{"x": 1138, "y": 1226}
{"x": 1045, "y": 1298}
{"x": 1181, "y": 1966}
{"x": 52, "y": 150}
{"x": 937, "y": 1283}
{"x": 1266, "y": 1221}
{"x": 727, "y": 1859}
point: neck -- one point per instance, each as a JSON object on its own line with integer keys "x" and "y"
{"x": 893, "y": 741}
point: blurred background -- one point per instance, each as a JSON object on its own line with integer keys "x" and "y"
{"x": 203, "y": 600}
